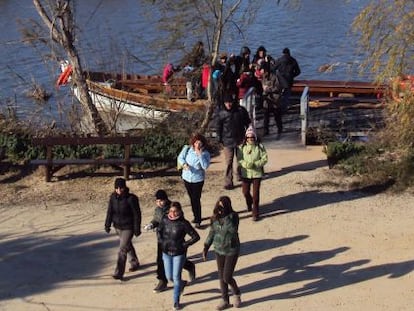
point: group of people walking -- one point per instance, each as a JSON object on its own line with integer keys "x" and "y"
{"x": 175, "y": 235}
{"x": 272, "y": 80}
{"x": 234, "y": 75}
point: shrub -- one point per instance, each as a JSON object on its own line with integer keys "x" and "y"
{"x": 339, "y": 151}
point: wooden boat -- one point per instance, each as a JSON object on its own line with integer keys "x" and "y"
{"x": 139, "y": 95}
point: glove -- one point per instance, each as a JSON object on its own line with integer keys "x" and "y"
{"x": 137, "y": 233}
{"x": 107, "y": 229}
{"x": 149, "y": 227}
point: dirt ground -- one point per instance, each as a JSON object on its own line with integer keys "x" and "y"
{"x": 318, "y": 246}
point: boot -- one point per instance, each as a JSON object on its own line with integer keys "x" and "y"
{"x": 237, "y": 301}
{"x": 161, "y": 286}
{"x": 223, "y": 305}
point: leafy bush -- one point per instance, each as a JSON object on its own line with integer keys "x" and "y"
{"x": 17, "y": 147}
{"x": 339, "y": 151}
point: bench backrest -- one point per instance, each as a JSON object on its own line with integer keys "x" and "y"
{"x": 55, "y": 140}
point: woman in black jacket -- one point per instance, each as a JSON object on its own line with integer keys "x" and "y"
{"x": 125, "y": 215}
{"x": 171, "y": 235}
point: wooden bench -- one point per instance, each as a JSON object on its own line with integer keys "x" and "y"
{"x": 52, "y": 165}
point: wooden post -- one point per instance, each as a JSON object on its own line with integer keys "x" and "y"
{"x": 49, "y": 165}
{"x": 127, "y": 164}
{"x": 304, "y": 109}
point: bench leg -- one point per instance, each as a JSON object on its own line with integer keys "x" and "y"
{"x": 127, "y": 167}
{"x": 127, "y": 171}
{"x": 47, "y": 170}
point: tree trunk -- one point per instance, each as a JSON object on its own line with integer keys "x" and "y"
{"x": 60, "y": 23}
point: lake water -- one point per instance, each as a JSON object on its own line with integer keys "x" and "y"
{"x": 110, "y": 32}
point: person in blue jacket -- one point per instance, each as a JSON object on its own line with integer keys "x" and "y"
{"x": 195, "y": 159}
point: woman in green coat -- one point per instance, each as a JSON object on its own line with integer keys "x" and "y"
{"x": 252, "y": 157}
{"x": 224, "y": 237}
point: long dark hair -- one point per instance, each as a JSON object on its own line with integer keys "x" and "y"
{"x": 222, "y": 208}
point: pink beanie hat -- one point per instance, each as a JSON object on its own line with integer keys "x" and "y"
{"x": 251, "y": 132}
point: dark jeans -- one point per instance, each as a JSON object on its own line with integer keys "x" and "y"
{"x": 226, "y": 266}
{"x": 252, "y": 201}
{"x": 277, "y": 111}
{"x": 229, "y": 155}
{"x": 188, "y": 265}
{"x": 194, "y": 192}
{"x": 125, "y": 248}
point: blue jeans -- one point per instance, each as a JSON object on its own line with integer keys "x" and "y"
{"x": 173, "y": 266}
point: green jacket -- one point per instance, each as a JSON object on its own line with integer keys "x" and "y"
{"x": 252, "y": 158}
{"x": 224, "y": 235}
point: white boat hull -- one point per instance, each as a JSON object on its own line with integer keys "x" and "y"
{"x": 120, "y": 106}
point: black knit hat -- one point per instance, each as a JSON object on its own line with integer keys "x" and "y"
{"x": 286, "y": 51}
{"x": 161, "y": 195}
{"x": 120, "y": 183}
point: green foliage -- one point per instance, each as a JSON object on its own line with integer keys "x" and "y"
{"x": 385, "y": 29}
{"x": 160, "y": 147}
{"x": 337, "y": 152}
{"x": 16, "y": 147}
{"x": 77, "y": 152}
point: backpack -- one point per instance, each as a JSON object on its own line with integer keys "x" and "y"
{"x": 179, "y": 165}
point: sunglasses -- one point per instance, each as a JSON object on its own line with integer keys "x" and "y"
{"x": 250, "y": 137}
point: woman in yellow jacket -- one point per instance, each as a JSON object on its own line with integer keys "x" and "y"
{"x": 252, "y": 157}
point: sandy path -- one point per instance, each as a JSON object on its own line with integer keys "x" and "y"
{"x": 317, "y": 248}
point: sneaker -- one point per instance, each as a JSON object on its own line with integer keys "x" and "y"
{"x": 176, "y": 306}
{"x": 161, "y": 286}
{"x": 223, "y": 305}
{"x": 183, "y": 285}
{"x": 237, "y": 301}
{"x": 192, "y": 273}
{"x": 228, "y": 187}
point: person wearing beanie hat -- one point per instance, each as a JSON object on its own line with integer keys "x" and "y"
{"x": 161, "y": 195}
{"x": 162, "y": 205}
{"x": 124, "y": 214}
{"x": 252, "y": 157}
{"x": 251, "y": 132}
{"x": 288, "y": 69}
{"x": 120, "y": 183}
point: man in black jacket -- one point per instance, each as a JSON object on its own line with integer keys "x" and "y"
{"x": 287, "y": 69}
{"x": 124, "y": 214}
{"x": 232, "y": 122}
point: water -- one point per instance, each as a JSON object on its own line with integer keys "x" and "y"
{"x": 114, "y": 34}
